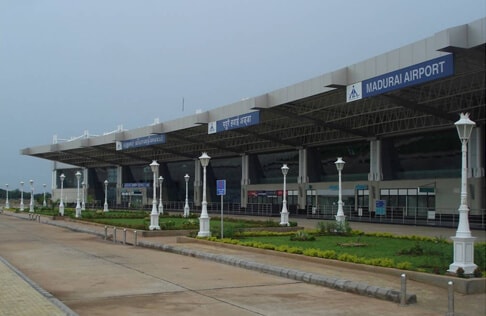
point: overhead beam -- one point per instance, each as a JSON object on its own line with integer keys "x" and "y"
{"x": 423, "y": 108}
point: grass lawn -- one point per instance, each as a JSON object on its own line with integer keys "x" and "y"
{"x": 426, "y": 256}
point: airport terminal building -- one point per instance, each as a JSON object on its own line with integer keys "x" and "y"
{"x": 391, "y": 119}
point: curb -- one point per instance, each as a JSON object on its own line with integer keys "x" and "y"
{"x": 293, "y": 274}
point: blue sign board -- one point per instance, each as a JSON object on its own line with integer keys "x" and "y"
{"x": 239, "y": 121}
{"x": 136, "y": 185}
{"x": 380, "y": 207}
{"x": 141, "y": 142}
{"x": 220, "y": 187}
{"x": 416, "y": 74}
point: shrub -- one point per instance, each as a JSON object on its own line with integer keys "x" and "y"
{"x": 404, "y": 265}
{"x": 302, "y": 236}
{"x": 189, "y": 224}
{"x": 332, "y": 228}
{"x": 460, "y": 272}
{"x": 477, "y": 272}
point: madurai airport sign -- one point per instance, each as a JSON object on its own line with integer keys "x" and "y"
{"x": 416, "y": 74}
{"x": 141, "y": 142}
{"x": 239, "y": 121}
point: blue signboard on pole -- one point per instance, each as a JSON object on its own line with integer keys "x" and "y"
{"x": 221, "y": 187}
{"x": 380, "y": 207}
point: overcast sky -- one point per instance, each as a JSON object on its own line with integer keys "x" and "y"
{"x": 70, "y": 66}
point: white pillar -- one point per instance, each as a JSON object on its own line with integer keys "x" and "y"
{"x": 31, "y": 205}
{"x": 105, "y": 205}
{"x": 463, "y": 241}
{"x": 284, "y": 214}
{"x": 186, "y": 202}
{"x": 340, "y": 218}
{"x": 154, "y": 215}
{"x": 204, "y": 230}
{"x": 245, "y": 181}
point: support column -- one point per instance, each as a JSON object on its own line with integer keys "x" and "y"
{"x": 302, "y": 180}
{"x": 245, "y": 181}
{"x": 476, "y": 170}
{"x": 119, "y": 183}
{"x": 375, "y": 161}
{"x": 54, "y": 191}
{"x": 197, "y": 183}
{"x": 376, "y": 174}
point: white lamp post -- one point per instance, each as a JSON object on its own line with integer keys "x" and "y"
{"x": 340, "y": 218}
{"x": 44, "y": 203}
{"x": 284, "y": 215}
{"x": 463, "y": 241}
{"x": 78, "y": 206}
{"x": 154, "y": 216}
{"x": 204, "y": 219}
{"x": 7, "y": 204}
{"x": 161, "y": 206}
{"x": 31, "y": 205}
{"x": 21, "y": 195}
{"x": 186, "y": 204}
{"x": 105, "y": 206}
{"x": 61, "y": 204}
{"x": 83, "y": 189}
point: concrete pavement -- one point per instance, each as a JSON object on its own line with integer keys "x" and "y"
{"x": 97, "y": 277}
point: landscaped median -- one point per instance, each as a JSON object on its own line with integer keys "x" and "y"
{"x": 461, "y": 285}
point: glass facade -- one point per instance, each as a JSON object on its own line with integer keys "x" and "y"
{"x": 433, "y": 155}
{"x": 356, "y": 156}
{"x": 70, "y": 180}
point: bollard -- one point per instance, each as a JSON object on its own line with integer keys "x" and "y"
{"x": 106, "y": 232}
{"x": 135, "y": 238}
{"x": 114, "y": 234}
{"x": 124, "y": 236}
{"x": 38, "y": 218}
{"x": 450, "y": 298}
{"x": 403, "y": 290}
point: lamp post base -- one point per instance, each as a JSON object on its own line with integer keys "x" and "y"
{"x": 186, "y": 211}
{"x": 204, "y": 227}
{"x": 154, "y": 222}
{"x": 284, "y": 219}
{"x": 340, "y": 218}
{"x": 463, "y": 255}
{"x": 78, "y": 211}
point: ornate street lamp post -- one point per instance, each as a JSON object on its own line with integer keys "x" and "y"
{"x": 161, "y": 206}
{"x": 154, "y": 216}
{"x": 61, "y": 204}
{"x": 83, "y": 190}
{"x": 21, "y": 195}
{"x": 7, "y": 203}
{"x": 186, "y": 204}
{"x": 44, "y": 203}
{"x": 31, "y": 205}
{"x": 463, "y": 240}
{"x": 78, "y": 206}
{"x": 204, "y": 219}
{"x": 284, "y": 215}
{"x": 340, "y": 218}
{"x": 105, "y": 206}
